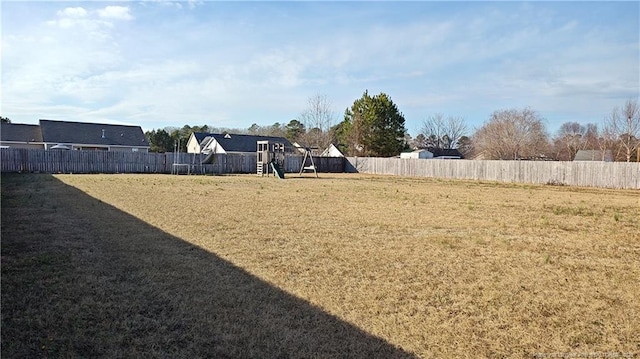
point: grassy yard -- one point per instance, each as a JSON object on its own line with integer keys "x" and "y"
{"x": 340, "y": 266}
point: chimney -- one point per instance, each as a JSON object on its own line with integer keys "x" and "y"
{"x": 102, "y": 133}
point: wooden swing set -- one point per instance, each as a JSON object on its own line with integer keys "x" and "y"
{"x": 311, "y": 166}
{"x": 271, "y": 157}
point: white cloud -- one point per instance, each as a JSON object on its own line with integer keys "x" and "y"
{"x": 88, "y": 20}
{"x": 79, "y": 17}
{"x": 51, "y": 63}
{"x": 72, "y": 12}
{"x": 241, "y": 65}
{"x": 194, "y": 3}
{"x": 115, "y": 12}
{"x": 191, "y": 4}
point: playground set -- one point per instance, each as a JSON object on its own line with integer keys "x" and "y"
{"x": 270, "y": 159}
{"x": 271, "y": 155}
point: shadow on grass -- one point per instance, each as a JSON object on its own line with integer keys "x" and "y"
{"x": 82, "y": 279}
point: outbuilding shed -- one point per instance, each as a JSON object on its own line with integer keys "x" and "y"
{"x": 417, "y": 154}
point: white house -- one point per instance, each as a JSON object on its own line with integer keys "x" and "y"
{"x": 331, "y": 151}
{"x": 222, "y": 143}
{"x": 418, "y": 154}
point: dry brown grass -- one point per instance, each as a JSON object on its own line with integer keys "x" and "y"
{"x": 436, "y": 268}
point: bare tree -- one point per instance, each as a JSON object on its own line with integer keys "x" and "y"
{"x": 623, "y": 126}
{"x": 591, "y": 136}
{"x": 465, "y": 146}
{"x": 433, "y": 130}
{"x": 511, "y": 135}
{"x": 317, "y": 118}
{"x": 570, "y": 139}
{"x": 441, "y": 132}
{"x": 419, "y": 142}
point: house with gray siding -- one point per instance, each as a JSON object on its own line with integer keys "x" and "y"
{"x": 84, "y": 136}
{"x": 17, "y": 135}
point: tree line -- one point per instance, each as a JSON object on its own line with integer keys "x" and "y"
{"x": 521, "y": 134}
{"x": 374, "y": 126}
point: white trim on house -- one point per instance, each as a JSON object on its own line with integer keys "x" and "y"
{"x": 93, "y": 147}
{"x": 20, "y": 144}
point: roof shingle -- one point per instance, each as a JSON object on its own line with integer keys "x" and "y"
{"x": 92, "y": 133}
{"x": 17, "y": 132}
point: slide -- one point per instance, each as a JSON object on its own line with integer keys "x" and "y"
{"x": 277, "y": 170}
{"x": 209, "y": 159}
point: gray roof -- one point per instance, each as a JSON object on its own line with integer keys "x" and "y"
{"x": 92, "y": 134}
{"x": 439, "y": 152}
{"x": 16, "y": 132}
{"x": 241, "y": 143}
{"x": 200, "y": 136}
{"x": 594, "y": 155}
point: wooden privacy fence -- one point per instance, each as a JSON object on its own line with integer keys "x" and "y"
{"x": 34, "y": 160}
{"x": 240, "y": 163}
{"x": 60, "y": 161}
{"x": 588, "y": 173}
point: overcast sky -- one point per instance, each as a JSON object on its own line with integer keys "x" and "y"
{"x": 232, "y": 64}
